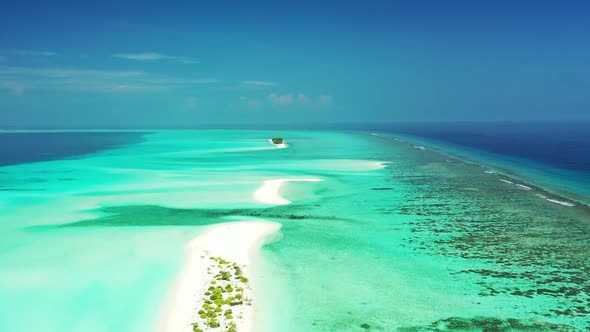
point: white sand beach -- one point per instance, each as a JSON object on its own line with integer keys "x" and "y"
{"x": 270, "y": 191}
{"x": 238, "y": 242}
{"x": 378, "y": 164}
{"x": 280, "y": 146}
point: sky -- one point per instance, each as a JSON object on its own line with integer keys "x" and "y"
{"x": 256, "y": 63}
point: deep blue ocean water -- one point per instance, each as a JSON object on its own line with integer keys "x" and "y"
{"x": 556, "y": 154}
{"x": 562, "y": 145}
{"x": 24, "y": 147}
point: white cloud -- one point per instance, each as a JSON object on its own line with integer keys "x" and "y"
{"x": 303, "y": 99}
{"x": 251, "y": 102}
{"x": 13, "y": 87}
{"x": 326, "y": 100}
{"x": 190, "y": 102}
{"x": 32, "y": 53}
{"x": 300, "y": 99}
{"x": 141, "y": 56}
{"x": 260, "y": 83}
{"x": 66, "y": 79}
{"x": 281, "y": 100}
{"x": 151, "y": 56}
{"x": 128, "y": 87}
{"x": 182, "y": 81}
{"x": 65, "y": 73}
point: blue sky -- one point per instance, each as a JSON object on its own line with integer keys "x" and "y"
{"x": 257, "y": 63}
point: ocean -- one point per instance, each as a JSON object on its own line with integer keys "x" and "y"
{"x": 23, "y": 147}
{"x": 93, "y": 227}
{"x": 555, "y": 154}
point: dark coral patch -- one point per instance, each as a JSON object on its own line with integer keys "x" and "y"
{"x": 488, "y": 324}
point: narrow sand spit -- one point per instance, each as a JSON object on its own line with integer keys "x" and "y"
{"x": 270, "y": 191}
{"x": 238, "y": 242}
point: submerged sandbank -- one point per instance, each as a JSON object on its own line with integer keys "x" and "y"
{"x": 269, "y": 191}
{"x": 234, "y": 241}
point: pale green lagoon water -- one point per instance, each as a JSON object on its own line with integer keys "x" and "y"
{"x": 428, "y": 243}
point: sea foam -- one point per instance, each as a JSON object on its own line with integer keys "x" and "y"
{"x": 523, "y": 187}
{"x": 556, "y": 201}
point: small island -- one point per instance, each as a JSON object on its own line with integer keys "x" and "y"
{"x": 279, "y": 142}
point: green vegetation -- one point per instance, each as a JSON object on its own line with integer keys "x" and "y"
{"x": 277, "y": 140}
{"x": 196, "y": 328}
{"x": 226, "y": 289}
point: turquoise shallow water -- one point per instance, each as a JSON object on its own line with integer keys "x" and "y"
{"x": 430, "y": 243}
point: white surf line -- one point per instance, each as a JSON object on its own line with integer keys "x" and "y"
{"x": 280, "y": 146}
{"x": 520, "y": 186}
{"x": 556, "y": 201}
{"x": 560, "y": 202}
{"x": 490, "y": 172}
{"x": 269, "y": 191}
{"x": 419, "y": 147}
{"x": 523, "y": 187}
{"x": 238, "y": 242}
